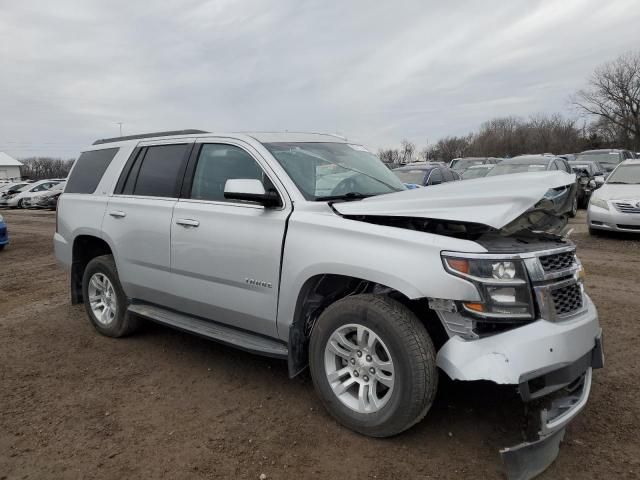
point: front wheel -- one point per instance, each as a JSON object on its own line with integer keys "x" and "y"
{"x": 373, "y": 365}
{"x": 574, "y": 207}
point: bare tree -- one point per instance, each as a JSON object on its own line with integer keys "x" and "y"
{"x": 448, "y": 148}
{"x": 613, "y": 94}
{"x": 38, "y": 168}
{"x": 407, "y": 149}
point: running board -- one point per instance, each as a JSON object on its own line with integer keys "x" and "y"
{"x": 213, "y": 331}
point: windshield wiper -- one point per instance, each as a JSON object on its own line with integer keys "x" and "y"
{"x": 344, "y": 196}
{"x": 620, "y": 183}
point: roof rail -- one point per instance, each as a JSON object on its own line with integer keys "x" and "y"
{"x": 148, "y": 135}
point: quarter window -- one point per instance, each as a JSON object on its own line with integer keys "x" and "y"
{"x": 218, "y": 163}
{"x": 88, "y": 170}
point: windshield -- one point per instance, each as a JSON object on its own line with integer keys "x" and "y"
{"x": 411, "y": 176}
{"x": 504, "y": 168}
{"x": 323, "y": 171}
{"x": 475, "y": 173}
{"x": 625, "y": 174}
{"x": 607, "y": 160}
{"x": 463, "y": 163}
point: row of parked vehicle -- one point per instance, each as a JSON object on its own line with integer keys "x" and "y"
{"x": 591, "y": 167}
{"x": 29, "y": 194}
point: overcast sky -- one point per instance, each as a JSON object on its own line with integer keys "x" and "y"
{"x": 376, "y": 72}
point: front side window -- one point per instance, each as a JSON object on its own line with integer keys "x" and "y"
{"x": 160, "y": 171}
{"x": 325, "y": 171}
{"x": 218, "y": 163}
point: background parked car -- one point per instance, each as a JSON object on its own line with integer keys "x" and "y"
{"x": 16, "y": 198}
{"x": 4, "y": 234}
{"x": 43, "y": 199}
{"x": 541, "y": 163}
{"x": 585, "y": 174}
{"x": 607, "y": 158}
{"x": 461, "y": 164}
{"x": 616, "y": 205}
{"x": 426, "y": 174}
{"x": 477, "y": 171}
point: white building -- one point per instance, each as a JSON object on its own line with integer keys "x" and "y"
{"x": 9, "y": 168}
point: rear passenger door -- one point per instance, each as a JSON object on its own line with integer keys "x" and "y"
{"x": 226, "y": 253}
{"x": 137, "y": 221}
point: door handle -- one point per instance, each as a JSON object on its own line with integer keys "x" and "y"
{"x": 118, "y": 214}
{"x": 187, "y": 222}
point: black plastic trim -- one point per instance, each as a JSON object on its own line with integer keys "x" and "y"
{"x": 148, "y": 135}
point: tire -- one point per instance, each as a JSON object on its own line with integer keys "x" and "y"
{"x": 120, "y": 323}
{"x": 411, "y": 351}
{"x": 20, "y": 203}
{"x": 574, "y": 207}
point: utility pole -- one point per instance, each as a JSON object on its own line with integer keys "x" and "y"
{"x": 120, "y": 123}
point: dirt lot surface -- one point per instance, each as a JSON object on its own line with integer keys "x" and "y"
{"x": 164, "y": 404}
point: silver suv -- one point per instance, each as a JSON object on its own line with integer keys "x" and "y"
{"x": 306, "y": 247}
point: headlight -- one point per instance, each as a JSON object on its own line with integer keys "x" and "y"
{"x": 503, "y": 285}
{"x": 599, "y": 202}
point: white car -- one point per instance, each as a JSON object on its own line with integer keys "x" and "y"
{"x": 616, "y": 205}
{"x": 38, "y": 198}
{"x": 17, "y": 199}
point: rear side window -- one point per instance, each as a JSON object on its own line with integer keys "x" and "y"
{"x": 88, "y": 170}
{"x": 158, "y": 171}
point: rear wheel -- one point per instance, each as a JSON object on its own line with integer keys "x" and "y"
{"x": 104, "y": 300}
{"x": 373, "y": 365}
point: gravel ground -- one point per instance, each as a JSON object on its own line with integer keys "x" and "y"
{"x": 164, "y": 404}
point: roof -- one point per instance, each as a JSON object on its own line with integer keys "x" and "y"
{"x": 631, "y": 161}
{"x": 7, "y": 161}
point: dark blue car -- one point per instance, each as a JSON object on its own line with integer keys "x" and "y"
{"x": 4, "y": 234}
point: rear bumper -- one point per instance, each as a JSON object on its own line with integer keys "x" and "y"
{"x": 62, "y": 251}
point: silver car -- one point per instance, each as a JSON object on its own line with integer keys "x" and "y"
{"x": 307, "y": 248}
{"x": 616, "y": 205}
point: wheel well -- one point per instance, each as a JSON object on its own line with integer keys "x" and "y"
{"x": 85, "y": 248}
{"x": 320, "y": 291}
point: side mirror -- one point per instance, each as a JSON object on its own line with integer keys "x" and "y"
{"x": 250, "y": 190}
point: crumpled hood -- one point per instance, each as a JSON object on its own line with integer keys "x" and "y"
{"x": 493, "y": 201}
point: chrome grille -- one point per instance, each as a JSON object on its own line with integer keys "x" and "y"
{"x": 627, "y": 206}
{"x": 567, "y": 299}
{"x": 557, "y": 261}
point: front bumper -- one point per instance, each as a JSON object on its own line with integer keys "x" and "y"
{"x": 612, "y": 220}
{"x": 524, "y": 352}
{"x": 551, "y": 364}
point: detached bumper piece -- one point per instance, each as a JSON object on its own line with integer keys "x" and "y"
{"x": 557, "y": 397}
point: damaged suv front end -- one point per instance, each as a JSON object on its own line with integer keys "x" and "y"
{"x": 534, "y": 328}
{"x": 528, "y": 322}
